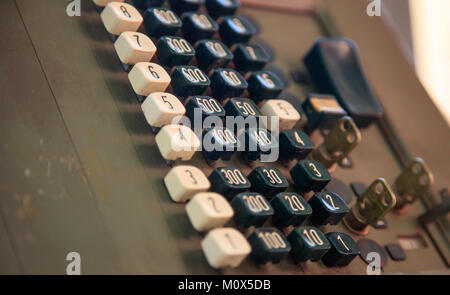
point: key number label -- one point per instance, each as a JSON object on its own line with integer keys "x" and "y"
{"x": 194, "y": 75}
{"x": 231, "y": 77}
{"x": 216, "y": 48}
{"x": 273, "y": 176}
{"x": 153, "y": 72}
{"x": 331, "y": 202}
{"x": 313, "y": 236}
{"x": 256, "y": 203}
{"x": 299, "y": 139}
{"x": 213, "y": 204}
{"x": 294, "y": 203}
{"x": 261, "y": 137}
{"x": 166, "y": 16}
{"x": 339, "y": 238}
{"x": 191, "y": 176}
{"x": 179, "y": 45}
{"x": 234, "y": 176}
{"x": 125, "y": 11}
{"x": 265, "y": 79}
{"x": 315, "y": 170}
{"x": 238, "y": 26}
{"x": 273, "y": 240}
{"x": 202, "y": 21}
{"x": 225, "y": 136}
{"x": 246, "y": 108}
{"x": 209, "y": 106}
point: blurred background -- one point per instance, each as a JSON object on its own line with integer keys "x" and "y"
{"x": 423, "y": 28}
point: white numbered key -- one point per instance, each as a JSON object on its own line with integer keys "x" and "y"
{"x": 208, "y": 210}
{"x": 120, "y": 17}
{"x": 177, "y": 142}
{"x": 102, "y": 3}
{"x": 184, "y": 181}
{"x": 147, "y": 77}
{"x": 288, "y": 115}
{"x": 161, "y": 108}
{"x": 225, "y": 247}
{"x": 134, "y": 47}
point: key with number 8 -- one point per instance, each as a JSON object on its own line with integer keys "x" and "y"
{"x": 120, "y": 17}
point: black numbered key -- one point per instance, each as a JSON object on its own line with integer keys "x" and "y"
{"x": 310, "y": 175}
{"x": 328, "y": 208}
{"x": 189, "y": 80}
{"x": 144, "y": 4}
{"x": 290, "y": 209}
{"x": 228, "y": 181}
{"x": 203, "y": 106}
{"x": 235, "y": 29}
{"x": 198, "y": 26}
{"x": 212, "y": 54}
{"x": 264, "y": 85}
{"x": 161, "y": 21}
{"x": 343, "y": 250}
{"x": 173, "y": 51}
{"x": 219, "y": 143}
{"x": 308, "y": 243}
{"x": 227, "y": 83}
{"x": 268, "y": 245}
{"x": 268, "y": 181}
{"x": 250, "y": 57}
{"x": 251, "y": 209}
{"x": 218, "y": 8}
{"x": 294, "y": 144}
{"x": 242, "y": 107}
{"x": 259, "y": 144}
{"x": 180, "y": 6}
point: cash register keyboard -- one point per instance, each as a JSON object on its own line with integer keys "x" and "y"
{"x": 259, "y": 162}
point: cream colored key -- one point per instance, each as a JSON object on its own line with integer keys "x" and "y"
{"x": 184, "y": 181}
{"x": 208, "y": 210}
{"x": 287, "y": 114}
{"x": 120, "y": 17}
{"x": 225, "y": 247}
{"x": 102, "y": 3}
{"x": 134, "y": 47}
{"x": 177, "y": 142}
{"x": 147, "y": 77}
{"x": 161, "y": 108}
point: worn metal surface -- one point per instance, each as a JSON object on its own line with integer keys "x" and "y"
{"x": 80, "y": 170}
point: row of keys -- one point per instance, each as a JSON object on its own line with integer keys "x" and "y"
{"x": 227, "y": 247}
{"x": 307, "y": 175}
{"x": 119, "y": 17}
{"x": 215, "y": 8}
{"x": 252, "y": 208}
{"x": 146, "y": 77}
{"x": 221, "y": 143}
{"x": 133, "y": 47}
{"x": 161, "y": 108}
